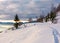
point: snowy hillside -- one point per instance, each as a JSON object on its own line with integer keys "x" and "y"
{"x": 32, "y": 33}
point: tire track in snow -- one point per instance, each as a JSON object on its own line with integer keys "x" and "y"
{"x": 55, "y": 34}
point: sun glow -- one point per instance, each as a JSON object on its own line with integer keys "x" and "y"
{"x": 6, "y": 21}
{"x": 13, "y": 21}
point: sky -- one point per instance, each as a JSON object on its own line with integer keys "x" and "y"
{"x": 25, "y": 8}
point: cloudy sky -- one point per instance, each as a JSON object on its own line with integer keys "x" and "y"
{"x": 25, "y": 8}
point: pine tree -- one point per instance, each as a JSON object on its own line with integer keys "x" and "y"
{"x": 53, "y": 13}
{"x": 58, "y": 8}
{"x": 40, "y": 19}
{"x": 16, "y": 18}
{"x": 16, "y": 24}
{"x": 52, "y": 16}
{"x": 47, "y": 17}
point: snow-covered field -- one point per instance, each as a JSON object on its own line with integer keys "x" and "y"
{"x": 32, "y": 33}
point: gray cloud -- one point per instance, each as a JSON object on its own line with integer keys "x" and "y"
{"x": 24, "y": 8}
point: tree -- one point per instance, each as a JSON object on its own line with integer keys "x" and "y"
{"x": 16, "y": 18}
{"x": 52, "y": 16}
{"x": 58, "y": 8}
{"x": 53, "y": 13}
{"x": 47, "y": 17}
{"x": 40, "y": 19}
{"x": 16, "y": 24}
{"x": 30, "y": 20}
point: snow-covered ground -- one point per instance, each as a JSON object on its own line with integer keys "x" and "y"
{"x": 32, "y": 33}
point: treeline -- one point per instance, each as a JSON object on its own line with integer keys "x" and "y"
{"x": 51, "y": 16}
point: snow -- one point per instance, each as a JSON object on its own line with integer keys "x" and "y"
{"x": 32, "y": 33}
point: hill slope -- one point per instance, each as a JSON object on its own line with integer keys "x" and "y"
{"x": 32, "y": 33}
